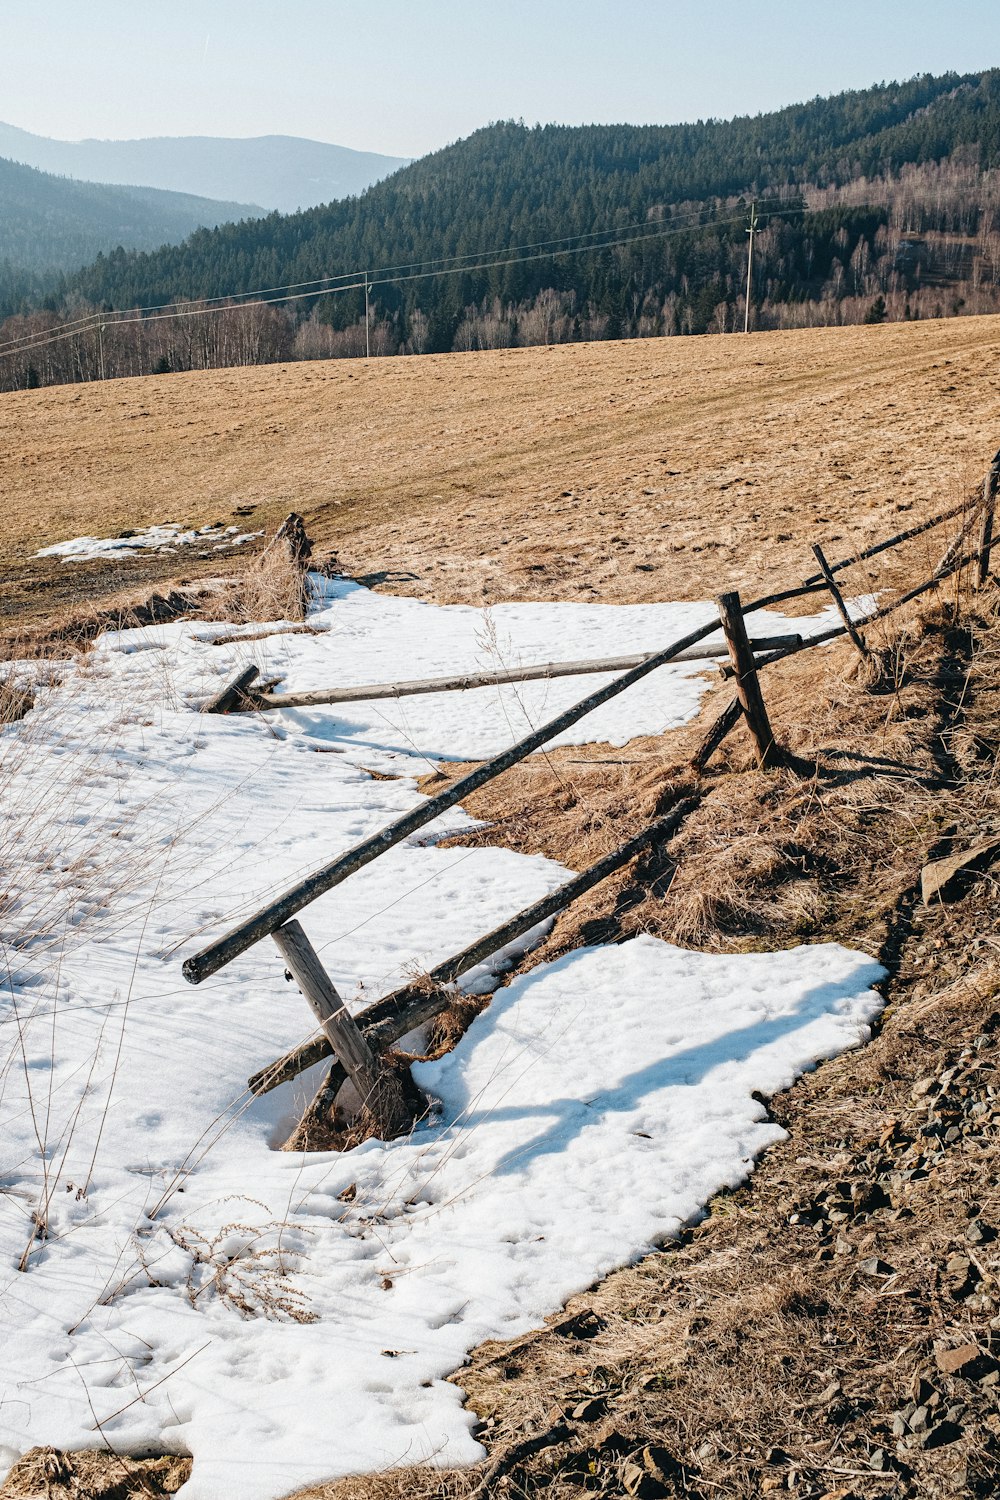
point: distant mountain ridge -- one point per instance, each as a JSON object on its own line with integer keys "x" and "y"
{"x": 50, "y": 223}
{"x": 275, "y": 172}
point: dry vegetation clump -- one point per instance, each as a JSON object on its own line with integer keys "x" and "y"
{"x": 46, "y": 1474}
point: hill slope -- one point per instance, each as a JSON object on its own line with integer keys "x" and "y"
{"x": 630, "y": 471}
{"x": 51, "y": 223}
{"x": 882, "y": 204}
{"x": 281, "y": 172}
{"x": 510, "y": 185}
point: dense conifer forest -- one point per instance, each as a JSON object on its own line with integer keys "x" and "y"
{"x": 872, "y": 205}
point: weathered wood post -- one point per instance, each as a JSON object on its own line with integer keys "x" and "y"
{"x": 981, "y": 568}
{"x": 727, "y": 720}
{"x": 233, "y": 694}
{"x": 380, "y": 1090}
{"x": 852, "y": 630}
{"x": 747, "y": 685}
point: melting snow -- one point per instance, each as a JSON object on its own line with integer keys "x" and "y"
{"x": 165, "y": 538}
{"x": 289, "y": 1318}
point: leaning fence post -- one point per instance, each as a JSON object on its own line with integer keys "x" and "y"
{"x": 747, "y": 685}
{"x": 981, "y": 569}
{"x": 727, "y": 720}
{"x": 838, "y": 599}
{"x": 380, "y": 1090}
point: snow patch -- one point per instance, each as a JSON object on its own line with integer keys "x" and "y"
{"x": 199, "y": 1291}
{"x": 166, "y": 538}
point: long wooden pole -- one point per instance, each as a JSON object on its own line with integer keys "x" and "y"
{"x": 747, "y": 685}
{"x": 496, "y": 677}
{"x": 393, "y": 1016}
{"x": 379, "y": 1089}
{"x": 277, "y": 912}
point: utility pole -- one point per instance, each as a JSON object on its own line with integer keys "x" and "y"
{"x": 100, "y": 340}
{"x": 752, "y": 230}
{"x": 368, "y": 346}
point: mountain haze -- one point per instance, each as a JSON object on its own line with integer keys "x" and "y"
{"x": 52, "y": 223}
{"x": 282, "y": 172}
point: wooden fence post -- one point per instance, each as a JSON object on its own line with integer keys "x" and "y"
{"x": 838, "y": 599}
{"x": 747, "y": 685}
{"x": 379, "y": 1088}
{"x": 981, "y": 568}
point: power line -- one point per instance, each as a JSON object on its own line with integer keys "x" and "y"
{"x": 543, "y": 250}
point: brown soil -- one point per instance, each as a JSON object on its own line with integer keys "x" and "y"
{"x": 653, "y": 469}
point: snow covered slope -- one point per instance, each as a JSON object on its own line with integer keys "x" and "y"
{"x": 286, "y": 1318}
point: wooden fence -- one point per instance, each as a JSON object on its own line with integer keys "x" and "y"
{"x": 358, "y": 1044}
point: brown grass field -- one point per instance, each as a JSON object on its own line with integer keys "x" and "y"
{"x": 660, "y": 469}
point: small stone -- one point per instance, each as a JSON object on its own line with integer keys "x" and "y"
{"x": 899, "y": 1425}
{"x": 958, "y": 1266}
{"x": 923, "y": 1087}
{"x": 873, "y": 1266}
{"x": 772, "y": 1483}
{"x": 952, "y": 1134}
{"x": 830, "y": 1394}
{"x": 589, "y": 1411}
{"x": 957, "y": 1361}
{"x": 633, "y": 1479}
{"x": 978, "y": 1233}
{"x": 920, "y": 1420}
{"x": 879, "y": 1461}
{"x": 921, "y": 1390}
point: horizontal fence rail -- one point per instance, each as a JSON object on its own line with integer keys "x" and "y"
{"x": 496, "y": 677}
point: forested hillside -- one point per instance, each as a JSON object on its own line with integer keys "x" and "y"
{"x": 54, "y": 223}
{"x": 883, "y": 203}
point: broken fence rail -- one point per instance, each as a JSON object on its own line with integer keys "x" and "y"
{"x": 266, "y": 921}
{"x": 390, "y": 1018}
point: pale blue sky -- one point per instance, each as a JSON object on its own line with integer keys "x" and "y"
{"x": 404, "y": 78}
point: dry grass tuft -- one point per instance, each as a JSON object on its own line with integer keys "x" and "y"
{"x": 46, "y": 1474}
{"x": 270, "y": 587}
